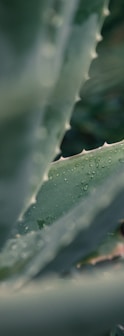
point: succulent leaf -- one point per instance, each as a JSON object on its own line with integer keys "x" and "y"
{"x": 70, "y": 181}
{"x": 75, "y": 234}
{"x": 78, "y": 233}
{"x": 46, "y": 51}
{"x": 82, "y": 41}
{"x": 41, "y": 73}
{"x": 28, "y": 72}
{"x": 99, "y": 299}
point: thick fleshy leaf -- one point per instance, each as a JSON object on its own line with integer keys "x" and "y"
{"x": 82, "y": 40}
{"x": 81, "y": 306}
{"x": 70, "y": 239}
{"x": 40, "y": 73}
{"x": 32, "y": 39}
{"x": 28, "y": 72}
{"x": 79, "y": 233}
{"x": 69, "y": 182}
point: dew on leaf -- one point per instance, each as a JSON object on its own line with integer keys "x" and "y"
{"x": 109, "y": 160}
{"x": 121, "y": 160}
{"x": 89, "y": 173}
{"x": 85, "y": 187}
{"x": 41, "y": 223}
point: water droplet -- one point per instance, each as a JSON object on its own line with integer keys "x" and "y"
{"x": 85, "y": 187}
{"x": 41, "y": 223}
{"x": 109, "y": 160}
{"x": 65, "y": 179}
{"x": 121, "y": 160}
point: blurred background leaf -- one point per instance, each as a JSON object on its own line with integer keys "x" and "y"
{"x": 99, "y": 115}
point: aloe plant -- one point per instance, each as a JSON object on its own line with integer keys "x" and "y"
{"x": 58, "y": 220}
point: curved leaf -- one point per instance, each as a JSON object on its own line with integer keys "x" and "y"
{"x": 37, "y": 64}
{"x": 81, "y": 306}
{"x": 58, "y": 247}
{"x": 70, "y": 181}
{"x": 25, "y": 58}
